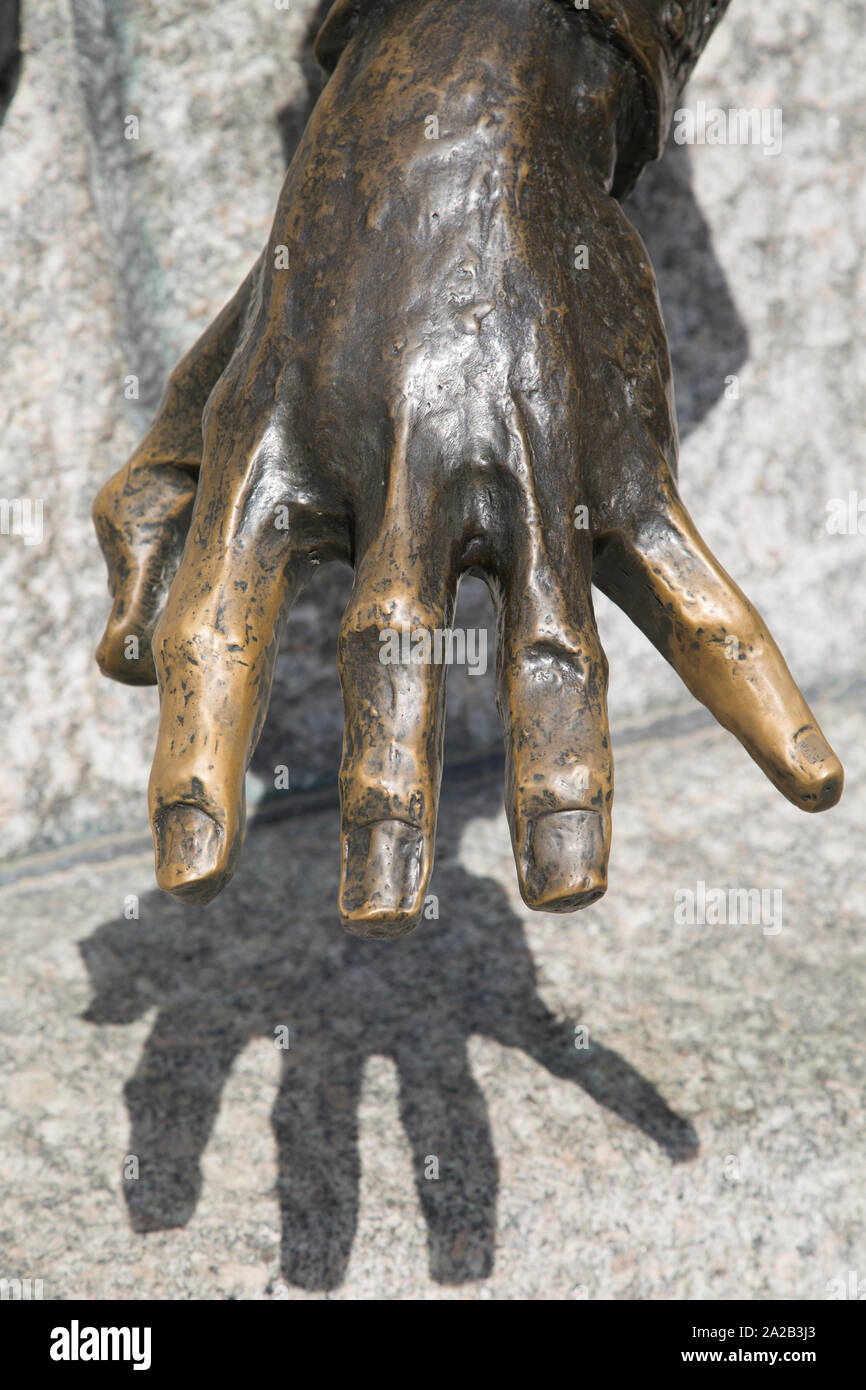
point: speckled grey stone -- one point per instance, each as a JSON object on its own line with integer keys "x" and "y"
{"x": 709, "y": 1141}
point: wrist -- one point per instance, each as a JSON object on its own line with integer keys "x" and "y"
{"x": 624, "y": 64}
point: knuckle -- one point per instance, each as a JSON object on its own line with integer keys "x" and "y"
{"x": 366, "y": 619}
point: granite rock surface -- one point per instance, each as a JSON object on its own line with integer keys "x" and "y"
{"x": 705, "y": 1138}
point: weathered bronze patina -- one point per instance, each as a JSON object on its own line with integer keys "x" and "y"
{"x": 449, "y": 359}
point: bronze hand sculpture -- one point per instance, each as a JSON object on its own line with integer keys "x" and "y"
{"x": 449, "y": 359}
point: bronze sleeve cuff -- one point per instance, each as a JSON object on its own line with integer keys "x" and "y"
{"x": 664, "y": 39}
{"x": 341, "y": 24}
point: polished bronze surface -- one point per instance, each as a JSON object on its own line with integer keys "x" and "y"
{"x": 449, "y": 359}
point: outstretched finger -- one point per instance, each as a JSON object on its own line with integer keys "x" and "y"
{"x": 663, "y": 575}
{"x": 393, "y": 650}
{"x": 253, "y": 541}
{"x": 551, "y": 691}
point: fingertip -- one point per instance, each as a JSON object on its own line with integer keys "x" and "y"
{"x": 126, "y": 656}
{"x": 383, "y": 881}
{"x": 191, "y": 859}
{"x": 817, "y": 775}
{"x": 562, "y": 861}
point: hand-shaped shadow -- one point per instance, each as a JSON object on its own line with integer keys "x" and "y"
{"x": 269, "y": 954}
{"x": 708, "y": 340}
{"x": 10, "y": 53}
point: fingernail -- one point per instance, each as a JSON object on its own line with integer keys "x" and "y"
{"x": 824, "y": 773}
{"x": 383, "y": 879}
{"x": 564, "y": 863}
{"x": 188, "y": 845}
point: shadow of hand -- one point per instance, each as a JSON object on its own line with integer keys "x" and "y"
{"x": 270, "y": 955}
